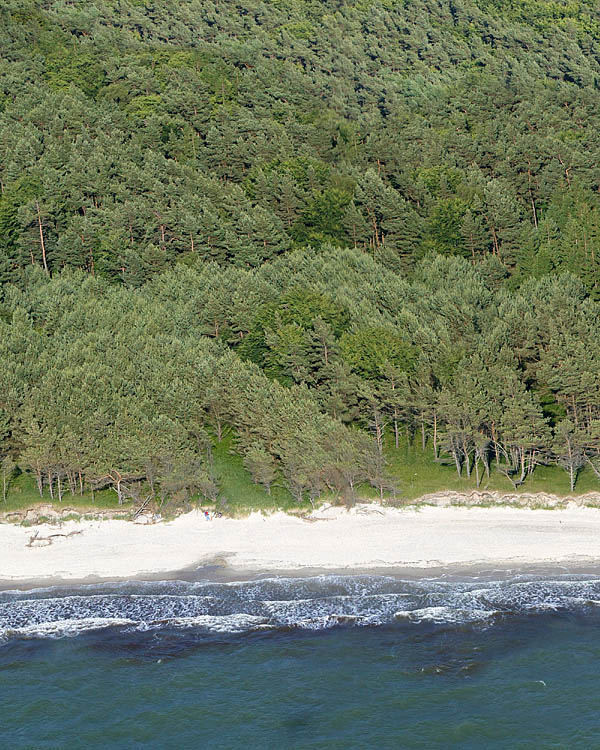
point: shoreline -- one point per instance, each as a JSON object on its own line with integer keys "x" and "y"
{"x": 416, "y": 541}
{"x": 481, "y": 571}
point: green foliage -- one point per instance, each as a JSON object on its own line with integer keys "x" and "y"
{"x": 443, "y": 231}
{"x": 72, "y": 67}
{"x": 463, "y": 129}
{"x": 369, "y": 351}
{"x": 299, "y": 232}
{"x": 290, "y": 317}
{"x": 322, "y": 220}
{"x": 418, "y": 474}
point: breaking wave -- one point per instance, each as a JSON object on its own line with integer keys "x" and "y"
{"x": 315, "y": 603}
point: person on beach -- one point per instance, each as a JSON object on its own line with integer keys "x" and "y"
{"x": 207, "y": 515}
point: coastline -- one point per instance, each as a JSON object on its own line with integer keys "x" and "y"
{"x": 419, "y": 540}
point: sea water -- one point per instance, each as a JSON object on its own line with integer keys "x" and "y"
{"x": 353, "y": 661}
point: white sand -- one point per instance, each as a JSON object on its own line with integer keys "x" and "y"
{"x": 366, "y": 537}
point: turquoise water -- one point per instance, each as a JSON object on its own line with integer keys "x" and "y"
{"x": 325, "y": 662}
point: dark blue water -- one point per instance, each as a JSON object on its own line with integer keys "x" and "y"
{"x": 326, "y": 662}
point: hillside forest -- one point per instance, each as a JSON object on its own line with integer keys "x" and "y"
{"x": 324, "y": 234}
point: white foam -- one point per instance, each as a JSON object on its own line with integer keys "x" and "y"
{"x": 314, "y": 603}
{"x": 445, "y": 615}
{"x": 230, "y": 624}
{"x": 64, "y": 628}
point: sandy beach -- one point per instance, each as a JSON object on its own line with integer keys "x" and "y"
{"x": 368, "y": 536}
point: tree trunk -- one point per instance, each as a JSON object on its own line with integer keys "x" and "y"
{"x": 495, "y": 441}
{"x": 456, "y": 457}
{"x": 42, "y": 242}
{"x": 572, "y": 476}
{"x": 495, "y": 241}
{"x": 467, "y": 457}
{"x": 523, "y": 470}
{"x": 378, "y": 431}
{"x": 39, "y": 481}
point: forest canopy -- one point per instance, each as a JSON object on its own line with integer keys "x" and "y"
{"x": 321, "y": 228}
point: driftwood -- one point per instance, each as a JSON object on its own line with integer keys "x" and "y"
{"x": 142, "y": 507}
{"x": 35, "y": 538}
{"x": 50, "y": 514}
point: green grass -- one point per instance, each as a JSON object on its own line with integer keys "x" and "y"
{"x": 240, "y": 492}
{"x": 417, "y": 474}
{"x": 414, "y": 470}
{"x": 23, "y": 494}
{"x": 238, "y": 496}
